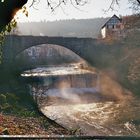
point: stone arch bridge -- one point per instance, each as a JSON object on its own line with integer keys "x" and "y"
{"x": 14, "y": 45}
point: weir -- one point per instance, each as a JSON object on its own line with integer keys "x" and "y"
{"x": 72, "y": 93}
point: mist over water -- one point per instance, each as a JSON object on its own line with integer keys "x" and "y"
{"x": 80, "y": 97}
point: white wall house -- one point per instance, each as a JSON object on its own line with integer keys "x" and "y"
{"x": 112, "y": 28}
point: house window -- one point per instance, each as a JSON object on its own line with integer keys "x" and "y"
{"x": 109, "y": 26}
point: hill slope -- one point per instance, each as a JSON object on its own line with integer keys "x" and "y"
{"x": 67, "y": 28}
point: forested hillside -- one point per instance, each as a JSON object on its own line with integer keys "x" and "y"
{"x": 68, "y": 28}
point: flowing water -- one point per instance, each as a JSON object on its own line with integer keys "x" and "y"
{"x": 84, "y": 100}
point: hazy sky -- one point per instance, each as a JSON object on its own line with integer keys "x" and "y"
{"x": 94, "y": 8}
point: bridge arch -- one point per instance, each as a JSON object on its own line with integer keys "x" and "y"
{"x": 46, "y": 54}
{"x": 15, "y": 44}
{"x": 47, "y": 44}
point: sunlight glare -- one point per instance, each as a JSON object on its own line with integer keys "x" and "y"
{"x": 21, "y": 17}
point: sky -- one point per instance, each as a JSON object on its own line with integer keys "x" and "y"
{"x": 93, "y": 9}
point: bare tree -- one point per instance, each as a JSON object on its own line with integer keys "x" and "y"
{"x": 138, "y": 1}
{"x": 8, "y": 8}
{"x": 135, "y": 6}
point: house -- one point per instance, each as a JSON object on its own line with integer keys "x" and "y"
{"x": 112, "y": 28}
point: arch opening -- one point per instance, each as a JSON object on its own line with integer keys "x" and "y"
{"x": 46, "y": 55}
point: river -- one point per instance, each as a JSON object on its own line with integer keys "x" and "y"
{"x": 85, "y": 100}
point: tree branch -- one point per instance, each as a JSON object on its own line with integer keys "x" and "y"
{"x": 138, "y": 1}
{"x": 8, "y": 8}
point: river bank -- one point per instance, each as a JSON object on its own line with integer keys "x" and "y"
{"x": 18, "y": 112}
{"x": 13, "y": 125}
